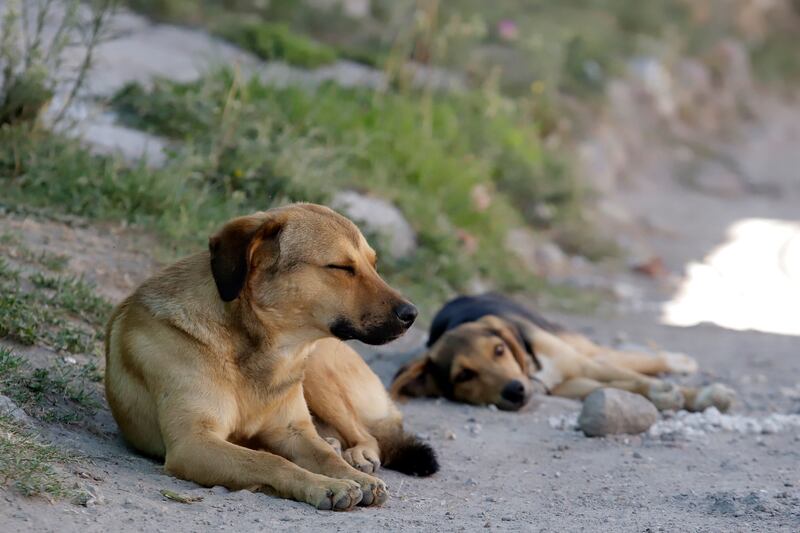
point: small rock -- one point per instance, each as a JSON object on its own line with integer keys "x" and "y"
{"x": 614, "y": 411}
{"x": 450, "y": 434}
{"x": 653, "y": 267}
{"x": 219, "y": 489}
{"x": 90, "y": 496}
{"x": 9, "y": 408}
{"x": 474, "y": 428}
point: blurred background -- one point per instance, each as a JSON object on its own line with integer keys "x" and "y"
{"x": 516, "y": 146}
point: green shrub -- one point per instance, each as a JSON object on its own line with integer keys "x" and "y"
{"x": 272, "y": 41}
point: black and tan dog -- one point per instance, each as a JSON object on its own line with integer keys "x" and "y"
{"x": 205, "y": 362}
{"x": 488, "y": 349}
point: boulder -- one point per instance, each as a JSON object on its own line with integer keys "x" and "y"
{"x": 377, "y": 216}
{"x": 615, "y": 411}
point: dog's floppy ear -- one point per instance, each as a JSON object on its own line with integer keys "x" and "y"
{"x": 415, "y": 380}
{"x": 233, "y": 246}
{"x": 511, "y": 336}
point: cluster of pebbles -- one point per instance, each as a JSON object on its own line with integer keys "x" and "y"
{"x": 694, "y": 425}
{"x": 684, "y": 425}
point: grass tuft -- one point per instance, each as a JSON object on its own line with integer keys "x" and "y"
{"x": 27, "y": 462}
{"x": 271, "y": 41}
{"x": 63, "y": 392}
{"x": 60, "y": 312}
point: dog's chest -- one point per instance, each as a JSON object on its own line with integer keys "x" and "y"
{"x": 272, "y": 396}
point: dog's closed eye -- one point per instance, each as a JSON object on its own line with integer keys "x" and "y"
{"x": 350, "y": 269}
{"x": 466, "y": 374}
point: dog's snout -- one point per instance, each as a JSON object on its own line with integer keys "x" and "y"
{"x": 514, "y": 392}
{"x": 406, "y": 313}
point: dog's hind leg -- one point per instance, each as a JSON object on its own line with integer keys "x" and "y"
{"x": 576, "y": 388}
{"x": 653, "y": 364}
{"x": 336, "y": 420}
{"x": 350, "y": 403}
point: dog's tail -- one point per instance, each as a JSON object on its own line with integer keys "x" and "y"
{"x": 405, "y": 452}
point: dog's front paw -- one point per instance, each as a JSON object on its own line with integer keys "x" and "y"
{"x": 335, "y": 495}
{"x": 362, "y": 457}
{"x": 679, "y": 363}
{"x": 666, "y": 396}
{"x": 373, "y": 489}
{"x": 714, "y": 395}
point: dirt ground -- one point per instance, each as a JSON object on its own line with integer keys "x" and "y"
{"x": 502, "y": 471}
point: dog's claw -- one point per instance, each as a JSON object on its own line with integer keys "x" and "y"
{"x": 342, "y": 496}
{"x": 374, "y": 491}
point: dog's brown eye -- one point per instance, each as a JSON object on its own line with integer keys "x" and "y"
{"x": 499, "y": 350}
{"x": 465, "y": 375}
{"x": 347, "y": 268}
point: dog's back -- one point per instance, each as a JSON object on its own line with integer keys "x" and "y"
{"x": 472, "y": 308}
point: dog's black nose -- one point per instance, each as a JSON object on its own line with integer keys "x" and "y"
{"x": 406, "y": 312}
{"x": 514, "y": 392}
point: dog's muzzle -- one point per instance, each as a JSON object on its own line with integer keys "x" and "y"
{"x": 403, "y": 316}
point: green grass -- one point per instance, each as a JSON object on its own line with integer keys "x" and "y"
{"x": 60, "y": 312}
{"x": 63, "y": 392}
{"x": 28, "y": 463}
{"x": 244, "y": 146}
{"x": 271, "y": 41}
{"x": 426, "y": 153}
{"x": 74, "y": 296}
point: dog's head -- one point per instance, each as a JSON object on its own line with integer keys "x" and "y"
{"x": 308, "y": 268}
{"x": 482, "y": 362}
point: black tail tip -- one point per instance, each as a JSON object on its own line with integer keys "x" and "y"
{"x": 415, "y": 458}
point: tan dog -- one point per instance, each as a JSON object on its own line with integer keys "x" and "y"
{"x": 490, "y": 350}
{"x": 205, "y": 360}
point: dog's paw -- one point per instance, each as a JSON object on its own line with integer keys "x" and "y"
{"x": 362, "y": 458}
{"x": 714, "y": 395}
{"x": 679, "y": 363}
{"x": 335, "y": 495}
{"x": 335, "y": 444}
{"x": 666, "y": 396}
{"x": 373, "y": 489}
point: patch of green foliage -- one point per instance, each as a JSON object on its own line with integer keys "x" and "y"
{"x": 27, "y": 462}
{"x": 427, "y": 153}
{"x": 60, "y": 312}
{"x": 776, "y": 57}
{"x": 245, "y": 146}
{"x": 75, "y": 296}
{"x": 62, "y": 392}
{"x": 271, "y": 41}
